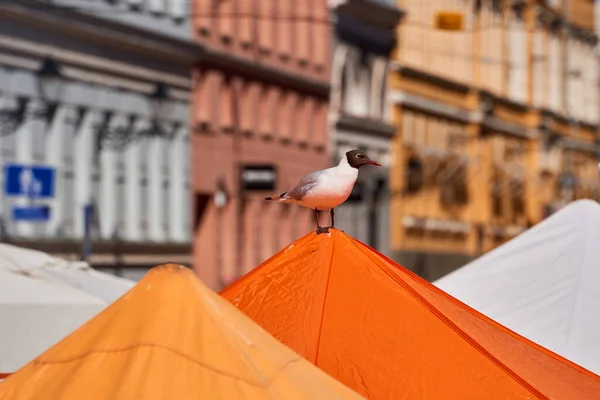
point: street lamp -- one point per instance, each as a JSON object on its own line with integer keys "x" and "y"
{"x": 50, "y": 80}
{"x": 159, "y": 102}
{"x": 221, "y": 197}
{"x": 50, "y": 84}
{"x": 11, "y": 118}
{"x": 161, "y": 107}
{"x": 117, "y": 137}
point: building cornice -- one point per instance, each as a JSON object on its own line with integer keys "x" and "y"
{"x": 376, "y": 13}
{"x": 358, "y": 33}
{"x": 368, "y": 24}
{"x": 458, "y": 114}
{"x": 581, "y": 34}
{"x": 490, "y": 123}
{"x": 493, "y": 124}
{"x": 546, "y": 113}
{"x": 503, "y": 101}
{"x": 150, "y": 44}
{"x": 112, "y": 247}
{"x": 241, "y": 66}
{"x": 557, "y": 22}
{"x": 414, "y": 73}
{"x": 578, "y": 145}
{"x": 433, "y": 107}
{"x": 365, "y": 125}
{"x": 94, "y": 28}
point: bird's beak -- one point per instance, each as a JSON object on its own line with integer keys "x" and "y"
{"x": 373, "y": 163}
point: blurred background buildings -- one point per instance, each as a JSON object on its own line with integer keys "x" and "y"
{"x": 99, "y": 92}
{"x": 166, "y": 123}
{"x": 364, "y": 37}
{"x": 496, "y": 109}
{"x": 260, "y": 123}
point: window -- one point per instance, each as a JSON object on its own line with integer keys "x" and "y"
{"x": 518, "y": 56}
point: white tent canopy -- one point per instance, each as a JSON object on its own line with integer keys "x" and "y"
{"x": 544, "y": 284}
{"x": 43, "y": 299}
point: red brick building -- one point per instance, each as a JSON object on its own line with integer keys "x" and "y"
{"x": 259, "y": 113}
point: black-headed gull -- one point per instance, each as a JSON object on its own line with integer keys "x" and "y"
{"x": 326, "y": 189}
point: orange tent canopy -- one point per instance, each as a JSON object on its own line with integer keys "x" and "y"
{"x": 389, "y": 334}
{"x": 170, "y": 337}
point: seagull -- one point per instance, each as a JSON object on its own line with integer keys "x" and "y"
{"x": 328, "y": 188}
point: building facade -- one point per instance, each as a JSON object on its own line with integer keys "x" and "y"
{"x": 260, "y": 103}
{"x": 92, "y": 91}
{"x": 364, "y": 35}
{"x": 496, "y": 109}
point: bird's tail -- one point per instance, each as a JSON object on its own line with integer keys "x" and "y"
{"x": 280, "y": 198}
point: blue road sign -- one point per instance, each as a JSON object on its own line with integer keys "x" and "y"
{"x": 34, "y": 181}
{"x": 31, "y": 213}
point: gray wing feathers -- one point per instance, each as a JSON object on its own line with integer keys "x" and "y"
{"x": 305, "y": 184}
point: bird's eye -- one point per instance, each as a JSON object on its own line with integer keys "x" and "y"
{"x": 360, "y": 156}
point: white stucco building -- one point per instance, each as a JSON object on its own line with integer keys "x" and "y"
{"x": 76, "y": 78}
{"x": 364, "y": 37}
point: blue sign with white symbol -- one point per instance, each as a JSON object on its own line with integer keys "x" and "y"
{"x": 35, "y": 181}
{"x": 32, "y": 213}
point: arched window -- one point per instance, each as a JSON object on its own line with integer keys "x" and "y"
{"x": 338, "y": 81}
{"x": 357, "y": 87}
{"x": 378, "y": 88}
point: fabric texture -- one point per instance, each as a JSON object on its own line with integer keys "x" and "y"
{"x": 43, "y": 298}
{"x": 77, "y": 274}
{"x": 543, "y": 284}
{"x": 171, "y": 337}
{"x": 388, "y": 334}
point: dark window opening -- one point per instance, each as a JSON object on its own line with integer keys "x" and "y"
{"x": 201, "y": 201}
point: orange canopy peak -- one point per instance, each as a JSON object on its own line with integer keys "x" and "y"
{"x": 170, "y": 337}
{"x": 389, "y": 334}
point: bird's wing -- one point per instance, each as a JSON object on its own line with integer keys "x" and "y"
{"x": 305, "y": 184}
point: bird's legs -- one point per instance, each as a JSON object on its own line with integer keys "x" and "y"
{"x": 333, "y": 220}
{"x": 320, "y": 229}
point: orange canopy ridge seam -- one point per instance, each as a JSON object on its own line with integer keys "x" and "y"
{"x": 465, "y": 336}
{"x": 171, "y": 336}
{"x": 387, "y": 333}
{"x": 325, "y": 301}
{"x": 488, "y": 320}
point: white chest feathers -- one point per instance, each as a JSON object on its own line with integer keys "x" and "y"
{"x": 333, "y": 187}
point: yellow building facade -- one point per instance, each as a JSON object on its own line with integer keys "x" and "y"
{"x": 496, "y": 108}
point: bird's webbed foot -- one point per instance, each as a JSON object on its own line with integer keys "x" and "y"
{"x": 322, "y": 229}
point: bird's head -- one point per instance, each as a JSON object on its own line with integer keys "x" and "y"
{"x": 357, "y": 159}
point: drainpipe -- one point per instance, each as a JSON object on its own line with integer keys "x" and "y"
{"x": 237, "y": 151}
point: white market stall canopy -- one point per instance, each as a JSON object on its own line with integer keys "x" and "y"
{"x": 544, "y": 284}
{"x": 43, "y": 299}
